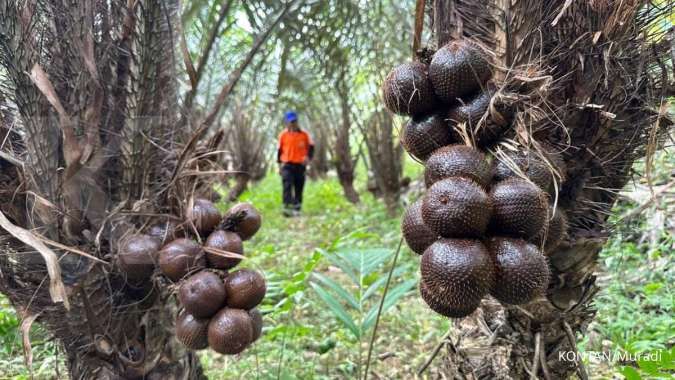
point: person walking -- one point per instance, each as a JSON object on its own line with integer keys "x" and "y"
{"x": 296, "y": 150}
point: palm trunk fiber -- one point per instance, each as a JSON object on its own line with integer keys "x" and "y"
{"x": 96, "y": 152}
{"x": 600, "y": 78}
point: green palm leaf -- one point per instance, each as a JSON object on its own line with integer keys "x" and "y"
{"x": 337, "y": 309}
{"x": 392, "y": 297}
{"x": 337, "y": 289}
{"x": 380, "y": 282}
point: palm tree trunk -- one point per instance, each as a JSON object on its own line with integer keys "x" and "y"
{"x": 99, "y": 153}
{"x": 345, "y": 164}
{"x": 555, "y": 42}
{"x": 240, "y": 185}
{"x": 385, "y": 156}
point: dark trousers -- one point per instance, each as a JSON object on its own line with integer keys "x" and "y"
{"x": 293, "y": 180}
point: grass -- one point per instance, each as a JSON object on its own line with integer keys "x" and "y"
{"x": 304, "y": 339}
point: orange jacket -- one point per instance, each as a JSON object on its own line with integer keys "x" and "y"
{"x": 295, "y": 147}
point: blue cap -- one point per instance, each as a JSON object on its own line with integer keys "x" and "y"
{"x": 290, "y": 117}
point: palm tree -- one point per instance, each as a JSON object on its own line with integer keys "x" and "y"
{"x": 103, "y": 142}
{"x": 591, "y": 80}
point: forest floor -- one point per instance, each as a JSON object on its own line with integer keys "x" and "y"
{"x": 326, "y": 270}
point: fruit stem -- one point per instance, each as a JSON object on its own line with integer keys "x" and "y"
{"x": 379, "y": 309}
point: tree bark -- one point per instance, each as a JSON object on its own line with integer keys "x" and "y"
{"x": 346, "y": 178}
{"x": 113, "y": 329}
{"x": 345, "y": 164}
{"x": 385, "y": 159}
{"x": 108, "y": 327}
{"x": 247, "y": 144}
{"x": 320, "y": 163}
{"x": 527, "y": 341}
{"x": 100, "y": 155}
{"x": 240, "y": 185}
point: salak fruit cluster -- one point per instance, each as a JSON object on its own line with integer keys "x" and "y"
{"x": 482, "y": 225}
{"x": 218, "y": 306}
